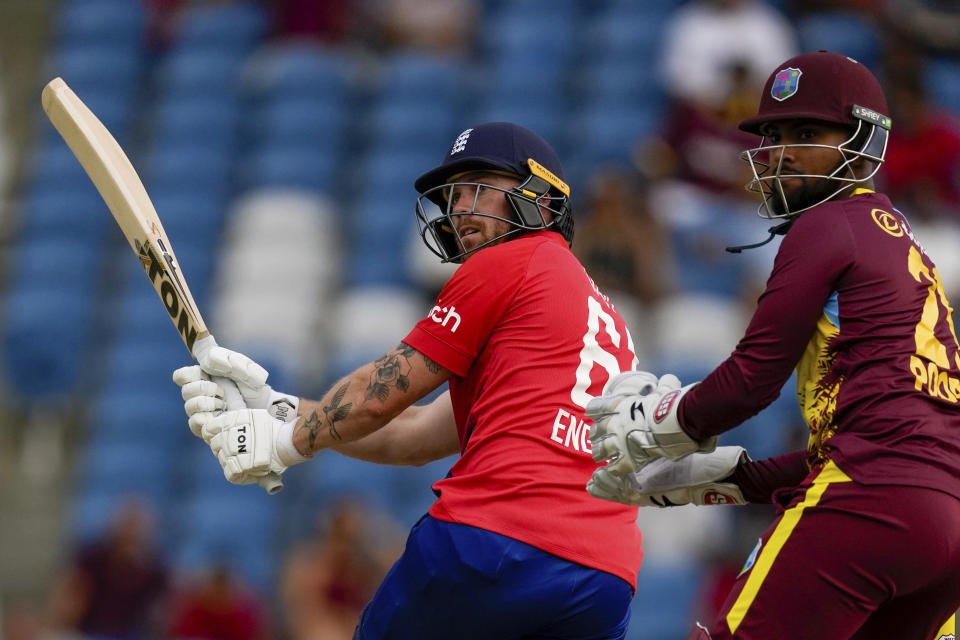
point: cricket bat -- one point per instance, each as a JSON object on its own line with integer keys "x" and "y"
{"x": 121, "y": 188}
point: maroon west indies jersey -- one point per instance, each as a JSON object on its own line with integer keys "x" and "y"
{"x": 857, "y": 307}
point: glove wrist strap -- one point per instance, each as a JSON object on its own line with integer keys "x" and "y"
{"x": 286, "y": 450}
{"x": 283, "y": 406}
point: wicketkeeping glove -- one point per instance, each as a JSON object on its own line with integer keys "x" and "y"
{"x": 634, "y": 424}
{"x": 251, "y": 443}
{"x": 699, "y": 478}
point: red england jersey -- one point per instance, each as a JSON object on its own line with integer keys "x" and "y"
{"x": 858, "y": 308}
{"x": 530, "y": 340}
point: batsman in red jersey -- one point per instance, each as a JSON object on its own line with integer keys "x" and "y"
{"x": 513, "y": 547}
{"x": 865, "y": 544}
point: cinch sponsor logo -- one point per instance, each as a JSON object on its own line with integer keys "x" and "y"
{"x": 173, "y": 299}
{"x": 445, "y": 315}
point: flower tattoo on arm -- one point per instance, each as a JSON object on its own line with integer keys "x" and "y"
{"x": 393, "y": 371}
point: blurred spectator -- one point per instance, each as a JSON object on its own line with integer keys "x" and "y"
{"x": 922, "y": 170}
{"x": 328, "y": 21}
{"x": 329, "y": 579}
{"x": 116, "y": 586}
{"x": 933, "y": 25}
{"x": 619, "y": 242}
{"x": 801, "y": 7}
{"x": 445, "y": 27}
{"x": 219, "y": 607}
{"x": 707, "y": 38}
{"x": 703, "y": 137}
{"x": 625, "y": 250}
{"x": 20, "y": 619}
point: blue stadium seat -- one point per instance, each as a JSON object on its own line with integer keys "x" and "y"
{"x": 202, "y": 119}
{"x": 848, "y": 33}
{"x": 188, "y": 165}
{"x": 607, "y": 132}
{"x": 942, "y": 79}
{"x": 421, "y": 76}
{"x": 92, "y": 511}
{"x": 662, "y": 608}
{"x": 74, "y": 211}
{"x": 137, "y": 466}
{"x": 235, "y": 26}
{"x": 406, "y": 122}
{"x": 631, "y": 34}
{"x": 542, "y": 118}
{"x": 302, "y": 70}
{"x": 534, "y": 34}
{"x": 119, "y": 23}
{"x": 53, "y": 165}
{"x": 189, "y": 219}
{"x": 97, "y": 70}
{"x": 191, "y": 71}
{"x": 294, "y": 120}
{"x": 622, "y": 81}
{"x": 233, "y": 525}
{"x": 45, "y": 333}
{"x": 55, "y": 263}
{"x": 288, "y": 166}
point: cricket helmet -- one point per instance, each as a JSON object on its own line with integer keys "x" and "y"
{"x": 823, "y": 86}
{"x": 503, "y": 148}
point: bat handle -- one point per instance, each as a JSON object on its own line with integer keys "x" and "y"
{"x": 271, "y": 482}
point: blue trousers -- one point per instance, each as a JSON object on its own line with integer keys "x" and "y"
{"x": 457, "y": 581}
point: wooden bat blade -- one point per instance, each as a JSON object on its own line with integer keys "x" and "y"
{"x": 121, "y": 188}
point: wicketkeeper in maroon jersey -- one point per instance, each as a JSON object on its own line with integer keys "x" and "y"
{"x": 866, "y": 542}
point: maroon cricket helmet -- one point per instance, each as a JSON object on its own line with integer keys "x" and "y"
{"x": 821, "y": 86}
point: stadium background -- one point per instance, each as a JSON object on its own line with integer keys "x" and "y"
{"x": 279, "y": 144}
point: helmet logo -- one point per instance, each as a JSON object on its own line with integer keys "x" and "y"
{"x": 785, "y": 83}
{"x": 461, "y": 142}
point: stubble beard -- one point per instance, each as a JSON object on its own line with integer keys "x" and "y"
{"x": 810, "y": 192}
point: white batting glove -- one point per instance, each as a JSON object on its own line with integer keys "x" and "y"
{"x": 699, "y": 478}
{"x": 202, "y": 398}
{"x": 251, "y": 443}
{"x": 634, "y": 424}
{"x": 249, "y": 377}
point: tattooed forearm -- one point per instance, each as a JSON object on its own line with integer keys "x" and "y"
{"x": 392, "y": 370}
{"x": 432, "y": 366}
{"x": 312, "y": 424}
{"x": 335, "y": 412}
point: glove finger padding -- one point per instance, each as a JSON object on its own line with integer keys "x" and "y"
{"x": 188, "y": 374}
{"x": 202, "y": 389}
{"x": 630, "y": 383}
{"x": 613, "y": 487}
{"x": 619, "y": 387}
{"x": 250, "y": 377}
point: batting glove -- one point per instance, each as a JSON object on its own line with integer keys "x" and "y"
{"x": 250, "y": 444}
{"x": 635, "y": 422}
{"x": 249, "y": 377}
{"x": 699, "y": 478}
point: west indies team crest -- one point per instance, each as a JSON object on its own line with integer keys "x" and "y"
{"x": 785, "y": 83}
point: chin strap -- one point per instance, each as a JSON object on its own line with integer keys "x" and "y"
{"x": 776, "y": 230}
